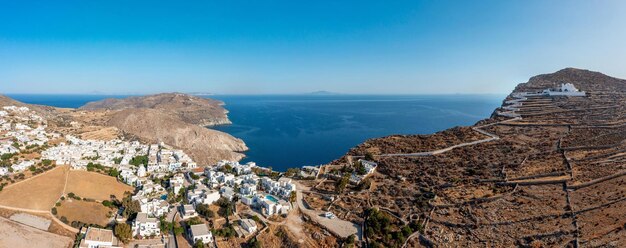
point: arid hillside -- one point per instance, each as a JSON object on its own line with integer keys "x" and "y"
{"x": 191, "y": 109}
{"x": 205, "y": 146}
{"x": 555, "y": 176}
{"x": 176, "y": 119}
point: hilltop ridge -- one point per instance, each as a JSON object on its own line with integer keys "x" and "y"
{"x": 552, "y": 177}
{"x": 191, "y": 109}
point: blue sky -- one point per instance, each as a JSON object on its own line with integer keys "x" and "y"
{"x": 260, "y": 47}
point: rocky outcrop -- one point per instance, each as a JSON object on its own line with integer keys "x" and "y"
{"x": 204, "y": 145}
{"x": 190, "y": 109}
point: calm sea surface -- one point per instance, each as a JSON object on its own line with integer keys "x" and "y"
{"x": 285, "y": 131}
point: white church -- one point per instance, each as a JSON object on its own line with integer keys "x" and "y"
{"x": 566, "y": 89}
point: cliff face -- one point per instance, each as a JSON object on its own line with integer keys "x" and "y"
{"x": 175, "y": 119}
{"x": 190, "y": 109}
{"x": 204, "y": 145}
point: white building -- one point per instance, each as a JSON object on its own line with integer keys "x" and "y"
{"x": 247, "y": 189}
{"x": 270, "y": 207}
{"x": 152, "y": 207}
{"x": 145, "y": 226}
{"x": 201, "y": 233}
{"x": 227, "y": 192}
{"x": 187, "y": 211}
{"x": 566, "y": 89}
{"x": 141, "y": 171}
{"x": 22, "y": 165}
{"x": 283, "y": 187}
{"x": 99, "y": 238}
{"x": 202, "y": 196}
{"x": 248, "y": 224}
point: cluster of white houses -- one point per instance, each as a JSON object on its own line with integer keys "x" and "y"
{"x": 264, "y": 193}
{"x": 21, "y": 128}
{"x": 78, "y": 153}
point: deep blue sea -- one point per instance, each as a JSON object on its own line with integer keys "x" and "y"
{"x": 284, "y": 131}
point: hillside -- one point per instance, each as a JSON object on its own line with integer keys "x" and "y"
{"x": 204, "y": 145}
{"x": 175, "y": 119}
{"x": 553, "y": 178}
{"x": 190, "y": 109}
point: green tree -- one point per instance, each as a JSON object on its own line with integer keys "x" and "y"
{"x": 341, "y": 184}
{"x": 369, "y": 156}
{"x": 193, "y": 221}
{"x": 255, "y": 243}
{"x": 117, "y": 160}
{"x": 139, "y": 160}
{"x": 204, "y": 211}
{"x": 130, "y": 207}
{"x": 164, "y": 225}
{"x": 198, "y": 244}
{"x": 114, "y": 172}
{"x": 123, "y": 232}
{"x": 178, "y": 229}
{"x": 360, "y": 168}
{"x": 292, "y": 196}
{"x": 194, "y": 176}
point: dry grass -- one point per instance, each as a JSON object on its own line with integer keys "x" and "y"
{"x": 36, "y": 193}
{"x": 95, "y": 186}
{"x": 85, "y": 212}
{"x": 101, "y": 133}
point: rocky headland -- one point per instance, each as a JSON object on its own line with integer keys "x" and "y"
{"x": 178, "y": 120}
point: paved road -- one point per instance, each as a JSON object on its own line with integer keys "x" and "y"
{"x": 171, "y": 217}
{"x": 492, "y": 137}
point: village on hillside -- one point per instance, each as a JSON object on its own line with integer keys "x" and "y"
{"x": 126, "y": 193}
{"x": 169, "y": 200}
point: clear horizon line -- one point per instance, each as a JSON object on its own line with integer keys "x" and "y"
{"x": 256, "y": 94}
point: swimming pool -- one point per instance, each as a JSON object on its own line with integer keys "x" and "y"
{"x": 271, "y": 198}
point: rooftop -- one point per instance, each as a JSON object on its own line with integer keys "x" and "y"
{"x": 97, "y": 234}
{"x": 199, "y": 230}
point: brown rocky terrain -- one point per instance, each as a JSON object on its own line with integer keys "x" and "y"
{"x": 190, "y": 109}
{"x": 176, "y": 119}
{"x": 205, "y": 146}
{"x": 556, "y": 177}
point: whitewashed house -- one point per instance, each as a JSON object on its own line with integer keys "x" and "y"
{"x": 200, "y": 233}
{"x": 187, "y": 211}
{"x": 99, "y": 238}
{"x": 145, "y": 226}
{"x": 248, "y": 224}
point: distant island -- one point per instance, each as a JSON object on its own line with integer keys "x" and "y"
{"x": 322, "y": 93}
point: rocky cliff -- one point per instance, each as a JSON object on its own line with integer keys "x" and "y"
{"x": 176, "y": 119}
{"x": 204, "y": 145}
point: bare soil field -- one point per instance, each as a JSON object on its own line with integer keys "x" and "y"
{"x": 85, "y": 212}
{"x": 36, "y": 193}
{"x": 13, "y": 234}
{"x": 101, "y": 133}
{"x": 95, "y": 186}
